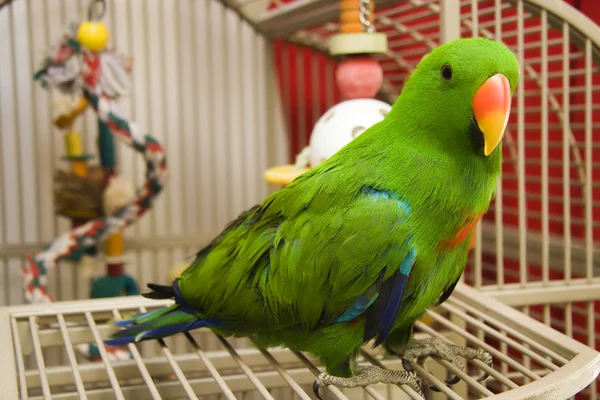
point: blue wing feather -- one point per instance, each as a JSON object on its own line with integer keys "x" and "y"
{"x": 382, "y": 302}
{"x": 394, "y": 301}
{"x": 357, "y": 308}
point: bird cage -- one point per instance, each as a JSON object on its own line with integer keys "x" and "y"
{"x": 233, "y": 88}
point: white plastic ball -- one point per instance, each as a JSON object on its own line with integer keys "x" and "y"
{"x": 341, "y": 124}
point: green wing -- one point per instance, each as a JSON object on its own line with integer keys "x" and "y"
{"x": 273, "y": 269}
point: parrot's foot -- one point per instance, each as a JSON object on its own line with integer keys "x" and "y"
{"x": 417, "y": 352}
{"x": 369, "y": 375}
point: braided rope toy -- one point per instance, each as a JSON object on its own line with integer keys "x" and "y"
{"x": 87, "y": 81}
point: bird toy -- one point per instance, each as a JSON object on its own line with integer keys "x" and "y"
{"x": 359, "y": 78}
{"x": 100, "y": 203}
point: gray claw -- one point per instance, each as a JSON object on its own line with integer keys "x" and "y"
{"x": 316, "y": 387}
{"x": 407, "y": 365}
{"x": 434, "y": 388}
{"x": 452, "y": 381}
{"x": 483, "y": 377}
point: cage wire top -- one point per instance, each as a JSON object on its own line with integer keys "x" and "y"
{"x": 538, "y": 362}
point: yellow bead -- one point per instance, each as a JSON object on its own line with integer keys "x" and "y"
{"x": 92, "y": 35}
{"x": 73, "y": 144}
{"x": 115, "y": 244}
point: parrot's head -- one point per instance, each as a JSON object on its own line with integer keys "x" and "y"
{"x": 460, "y": 95}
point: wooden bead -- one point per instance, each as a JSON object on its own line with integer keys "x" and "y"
{"x": 350, "y": 16}
{"x": 79, "y": 168}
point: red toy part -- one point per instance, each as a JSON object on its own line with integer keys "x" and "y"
{"x": 359, "y": 77}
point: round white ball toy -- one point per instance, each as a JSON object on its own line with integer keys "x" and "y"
{"x": 341, "y": 124}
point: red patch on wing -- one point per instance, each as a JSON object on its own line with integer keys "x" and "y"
{"x": 462, "y": 233}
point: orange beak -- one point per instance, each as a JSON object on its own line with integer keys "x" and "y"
{"x": 491, "y": 106}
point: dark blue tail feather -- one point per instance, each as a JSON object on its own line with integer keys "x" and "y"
{"x": 157, "y": 333}
{"x": 167, "y": 321}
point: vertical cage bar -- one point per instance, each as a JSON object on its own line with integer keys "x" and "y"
{"x": 544, "y": 160}
{"x": 478, "y": 256}
{"x": 284, "y": 374}
{"x": 53, "y": 277}
{"x": 185, "y": 40}
{"x": 301, "y": 98}
{"x": 474, "y": 18}
{"x": 449, "y": 20}
{"x": 11, "y": 179}
{"x": 329, "y": 83}
{"x": 3, "y": 224}
{"x": 21, "y": 51}
{"x": 285, "y": 87}
{"x": 498, "y": 205}
{"x": 39, "y": 357}
{"x": 261, "y": 121}
{"x": 589, "y": 217}
{"x": 503, "y": 350}
{"x": 135, "y": 161}
{"x": 566, "y": 151}
{"x": 526, "y": 359}
{"x": 210, "y": 367}
{"x": 181, "y": 39}
{"x": 201, "y": 25}
{"x": 249, "y": 134}
{"x": 316, "y": 78}
{"x": 71, "y": 356}
{"x": 143, "y": 110}
{"x": 170, "y": 53}
{"x": 591, "y": 325}
{"x": 140, "y": 364}
{"x": 481, "y": 336}
{"x": 107, "y": 364}
{"x": 152, "y": 87}
{"x": 544, "y": 154}
{"x": 40, "y": 132}
{"x": 521, "y": 149}
{"x": 251, "y": 376}
{"x": 36, "y": 164}
{"x": 547, "y": 317}
{"x": 178, "y": 372}
{"x": 19, "y": 358}
{"x": 569, "y": 319}
{"x": 498, "y": 19}
{"x": 233, "y": 97}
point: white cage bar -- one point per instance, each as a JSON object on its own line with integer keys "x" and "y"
{"x": 560, "y": 366}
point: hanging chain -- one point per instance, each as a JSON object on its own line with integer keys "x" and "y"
{"x": 365, "y": 13}
{"x": 96, "y": 10}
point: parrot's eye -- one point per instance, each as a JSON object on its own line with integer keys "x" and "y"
{"x": 446, "y": 72}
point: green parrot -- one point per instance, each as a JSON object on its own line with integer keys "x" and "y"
{"x": 360, "y": 246}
